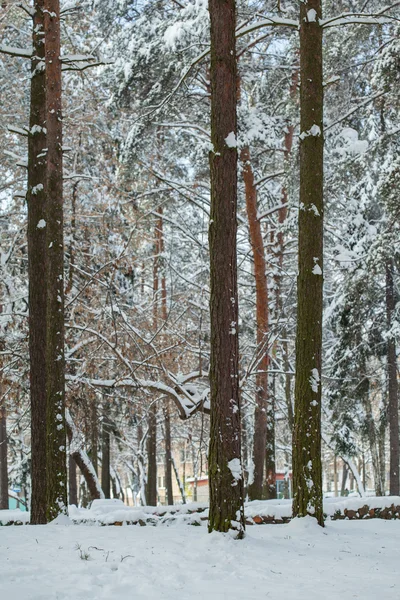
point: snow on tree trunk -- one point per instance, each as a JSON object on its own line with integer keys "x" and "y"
{"x": 55, "y": 358}
{"x": 225, "y": 469}
{"x": 307, "y": 470}
{"x": 37, "y": 261}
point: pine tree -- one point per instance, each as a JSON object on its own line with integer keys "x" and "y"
{"x": 225, "y": 468}
{"x": 307, "y": 469}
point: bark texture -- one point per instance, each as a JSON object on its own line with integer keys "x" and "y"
{"x": 168, "y": 454}
{"x": 55, "y": 359}
{"x": 3, "y": 457}
{"x": 72, "y": 484}
{"x": 307, "y": 470}
{"x": 264, "y": 418}
{"x": 151, "y": 488}
{"x": 37, "y": 260}
{"x": 393, "y": 408}
{"x": 225, "y": 468}
{"x": 105, "y": 456}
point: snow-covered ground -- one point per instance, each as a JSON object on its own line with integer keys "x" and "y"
{"x": 300, "y": 561}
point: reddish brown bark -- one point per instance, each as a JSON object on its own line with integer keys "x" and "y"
{"x": 225, "y": 469}
{"x": 264, "y": 430}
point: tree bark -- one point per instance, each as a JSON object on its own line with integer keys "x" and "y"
{"x": 225, "y": 468}
{"x": 82, "y": 460}
{"x": 168, "y": 455}
{"x": 55, "y": 359}
{"x": 307, "y": 468}
{"x": 261, "y": 450}
{"x": 393, "y": 407}
{"x": 72, "y": 484}
{"x": 105, "y": 456}
{"x": 37, "y": 275}
{"x": 3, "y": 457}
{"x": 94, "y": 434}
{"x": 151, "y": 488}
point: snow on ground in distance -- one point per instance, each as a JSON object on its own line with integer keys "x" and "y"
{"x": 348, "y": 559}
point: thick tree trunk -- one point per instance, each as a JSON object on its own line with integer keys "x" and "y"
{"x": 72, "y": 483}
{"x": 168, "y": 454}
{"x": 264, "y": 430}
{"x": 225, "y": 467}
{"x": 393, "y": 408}
{"x": 55, "y": 359}
{"x": 307, "y": 469}
{"x": 105, "y": 456}
{"x": 37, "y": 260}
{"x": 151, "y": 488}
{"x": 3, "y": 457}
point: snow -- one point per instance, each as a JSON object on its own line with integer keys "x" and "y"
{"x": 312, "y": 16}
{"x": 317, "y": 270}
{"x": 347, "y": 559}
{"x": 235, "y": 468}
{"x": 41, "y": 224}
{"x": 230, "y": 140}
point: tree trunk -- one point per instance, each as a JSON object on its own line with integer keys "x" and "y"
{"x": 37, "y": 260}
{"x": 261, "y": 450}
{"x": 225, "y": 468}
{"x": 82, "y": 460}
{"x": 168, "y": 455}
{"x": 151, "y": 488}
{"x": 3, "y": 457}
{"x": 344, "y": 479}
{"x": 105, "y": 456}
{"x": 94, "y": 434}
{"x": 72, "y": 484}
{"x": 179, "y": 482}
{"x": 307, "y": 468}
{"x": 55, "y": 359}
{"x": 393, "y": 408}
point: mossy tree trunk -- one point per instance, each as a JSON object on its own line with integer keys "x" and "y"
{"x": 307, "y": 469}
{"x": 37, "y": 261}
{"x": 393, "y": 408}
{"x": 225, "y": 468}
{"x": 55, "y": 359}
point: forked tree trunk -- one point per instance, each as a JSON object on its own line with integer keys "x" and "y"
{"x": 264, "y": 418}
{"x": 55, "y": 359}
{"x": 393, "y": 408}
{"x": 225, "y": 468}
{"x": 307, "y": 469}
{"x": 168, "y": 454}
{"x": 37, "y": 276}
{"x": 3, "y": 457}
{"x": 151, "y": 488}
